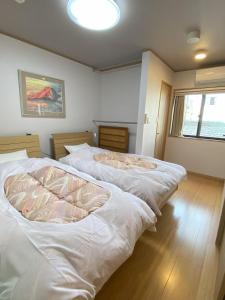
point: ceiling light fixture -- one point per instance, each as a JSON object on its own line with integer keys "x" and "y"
{"x": 20, "y": 1}
{"x": 94, "y": 14}
{"x": 200, "y": 55}
{"x": 193, "y": 37}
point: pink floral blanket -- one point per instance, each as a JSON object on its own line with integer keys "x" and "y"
{"x": 53, "y": 195}
{"x": 123, "y": 161}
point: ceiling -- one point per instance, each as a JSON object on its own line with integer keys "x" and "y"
{"x": 159, "y": 25}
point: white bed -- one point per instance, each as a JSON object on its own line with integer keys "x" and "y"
{"x": 153, "y": 186}
{"x": 66, "y": 261}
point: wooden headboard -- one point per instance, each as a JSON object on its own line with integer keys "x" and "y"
{"x": 114, "y": 138}
{"x": 16, "y": 143}
{"x": 75, "y": 138}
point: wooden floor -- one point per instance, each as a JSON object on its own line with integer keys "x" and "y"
{"x": 179, "y": 261}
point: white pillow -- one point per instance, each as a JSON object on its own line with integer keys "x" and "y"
{"x": 74, "y": 148}
{"x": 12, "y": 156}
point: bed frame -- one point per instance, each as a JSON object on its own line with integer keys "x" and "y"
{"x": 74, "y": 138}
{"x": 16, "y": 143}
{"x": 111, "y": 138}
{"x": 114, "y": 138}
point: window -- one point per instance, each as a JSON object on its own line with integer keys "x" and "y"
{"x": 200, "y": 115}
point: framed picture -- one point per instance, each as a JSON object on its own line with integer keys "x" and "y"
{"x": 41, "y": 96}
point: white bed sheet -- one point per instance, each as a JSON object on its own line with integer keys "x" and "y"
{"x": 41, "y": 261}
{"x": 153, "y": 186}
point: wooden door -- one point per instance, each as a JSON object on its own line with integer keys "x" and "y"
{"x": 162, "y": 121}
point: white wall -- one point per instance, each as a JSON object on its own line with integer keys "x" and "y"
{"x": 201, "y": 156}
{"x": 112, "y": 96}
{"x": 143, "y": 94}
{"x": 90, "y": 95}
{"x": 119, "y": 97}
{"x": 154, "y": 71}
{"x": 81, "y": 89}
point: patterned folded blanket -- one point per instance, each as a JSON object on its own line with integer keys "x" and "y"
{"x": 53, "y": 195}
{"x": 123, "y": 161}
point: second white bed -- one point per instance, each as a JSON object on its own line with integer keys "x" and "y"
{"x": 154, "y": 186}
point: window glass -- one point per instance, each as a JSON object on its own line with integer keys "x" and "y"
{"x": 199, "y": 115}
{"x": 213, "y": 118}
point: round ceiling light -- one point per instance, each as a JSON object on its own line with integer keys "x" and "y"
{"x": 20, "y": 1}
{"x": 94, "y": 14}
{"x": 200, "y": 55}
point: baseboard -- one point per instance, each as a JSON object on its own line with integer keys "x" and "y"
{"x": 206, "y": 176}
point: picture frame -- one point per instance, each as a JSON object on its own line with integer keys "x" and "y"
{"x": 41, "y": 96}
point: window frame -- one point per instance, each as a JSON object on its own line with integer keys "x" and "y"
{"x": 203, "y": 92}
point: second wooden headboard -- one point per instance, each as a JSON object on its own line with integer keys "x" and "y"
{"x": 16, "y": 143}
{"x": 74, "y": 138}
{"x": 114, "y": 138}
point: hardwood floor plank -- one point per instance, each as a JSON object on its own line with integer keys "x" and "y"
{"x": 179, "y": 261}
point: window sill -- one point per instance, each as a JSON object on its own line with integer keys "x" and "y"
{"x": 198, "y": 138}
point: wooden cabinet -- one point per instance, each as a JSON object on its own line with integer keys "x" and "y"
{"x": 114, "y": 138}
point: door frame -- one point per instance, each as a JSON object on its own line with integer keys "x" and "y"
{"x": 221, "y": 293}
{"x": 168, "y": 117}
{"x": 220, "y": 290}
{"x": 221, "y": 225}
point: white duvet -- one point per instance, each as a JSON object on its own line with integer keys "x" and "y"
{"x": 46, "y": 261}
{"x": 153, "y": 186}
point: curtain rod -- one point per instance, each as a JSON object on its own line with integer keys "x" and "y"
{"x": 118, "y": 122}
